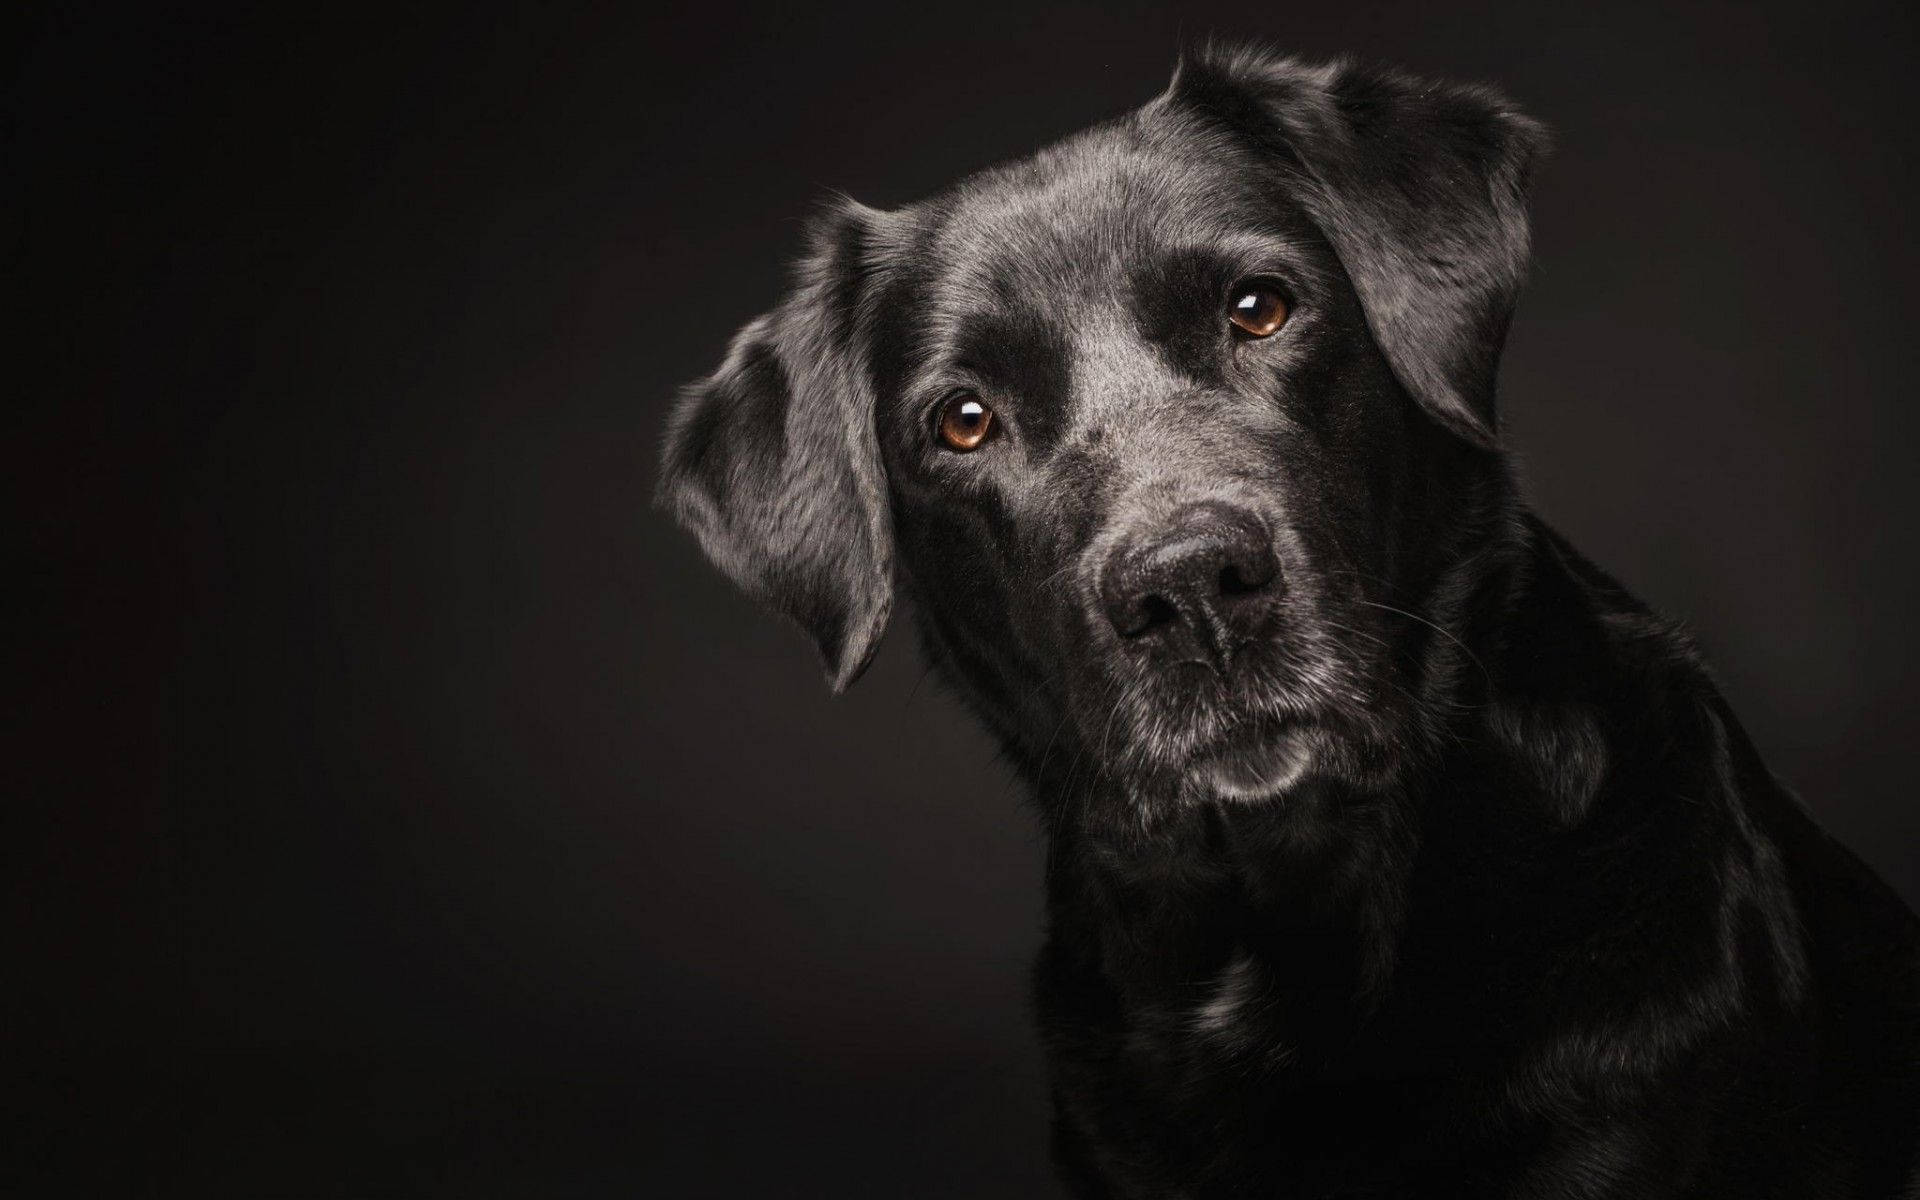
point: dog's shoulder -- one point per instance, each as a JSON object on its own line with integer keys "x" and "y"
{"x": 1816, "y": 956}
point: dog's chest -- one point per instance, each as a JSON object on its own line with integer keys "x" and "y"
{"x": 1229, "y": 1085}
{"x": 1234, "y": 1015}
{"x": 1200, "y": 1013}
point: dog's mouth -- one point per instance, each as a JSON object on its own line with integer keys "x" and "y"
{"x": 1258, "y": 763}
{"x": 1287, "y": 710}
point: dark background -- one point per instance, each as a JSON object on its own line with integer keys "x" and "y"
{"x": 398, "y": 806}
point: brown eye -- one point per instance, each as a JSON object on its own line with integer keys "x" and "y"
{"x": 965, "y": 422}
{"x": 1258, "y": 310}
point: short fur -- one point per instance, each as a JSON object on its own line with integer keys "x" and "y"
{"x": 1446, "y": 871}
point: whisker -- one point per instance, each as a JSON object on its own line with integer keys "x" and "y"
{"x": 1445, "y": 633}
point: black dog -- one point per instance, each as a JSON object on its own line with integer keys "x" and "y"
{"x": 1395, "y": 850}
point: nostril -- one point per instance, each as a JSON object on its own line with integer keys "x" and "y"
{"x": 1155, "y": 611}
{"x": 1233, "y": 583}
{"x": 1250, "y": 566}
{"x": 1143, "y": 615}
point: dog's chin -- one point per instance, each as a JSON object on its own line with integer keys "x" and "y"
{"x": 1258, "y": 767}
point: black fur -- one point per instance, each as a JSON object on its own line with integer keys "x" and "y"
{"x": 1445, "y": 871}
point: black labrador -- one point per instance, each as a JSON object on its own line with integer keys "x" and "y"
{"x": 1395, "y": 850}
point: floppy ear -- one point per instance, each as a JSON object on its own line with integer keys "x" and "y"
{"x": 1419, "y": 186}
{"x": 772, "y": 462}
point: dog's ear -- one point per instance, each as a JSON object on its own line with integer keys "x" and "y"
{"x": 1421, "y": 189}
{"x": 772, "y": 461}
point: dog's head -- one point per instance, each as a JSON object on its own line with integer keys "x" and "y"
{"x": 1174, "y": 430}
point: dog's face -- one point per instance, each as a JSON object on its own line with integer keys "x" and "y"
{"x": 1142, "y": 453}
{"x": 1166, "y": 427}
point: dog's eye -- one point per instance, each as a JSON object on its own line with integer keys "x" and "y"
{"x": 1258, "y": 309}
{"x": 965, "y": 422}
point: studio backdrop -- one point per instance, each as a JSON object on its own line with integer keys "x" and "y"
{"x": 401, "y": 805}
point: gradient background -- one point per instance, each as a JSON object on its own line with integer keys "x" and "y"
{"x": 397, "y": 806}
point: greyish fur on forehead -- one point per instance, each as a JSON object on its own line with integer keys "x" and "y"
{"x": 1095, "y": 203}
{"x": 1054, "y": 249}
{"x": 1092, "y": 197}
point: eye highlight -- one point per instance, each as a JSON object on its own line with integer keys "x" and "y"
{"x": 1258, "y": 309}
{"x": 964, "y": 422}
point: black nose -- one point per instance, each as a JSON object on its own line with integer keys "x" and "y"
{"x": 1196, "y": 585}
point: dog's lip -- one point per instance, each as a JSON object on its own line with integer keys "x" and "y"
{"x": 1260, "y": 762}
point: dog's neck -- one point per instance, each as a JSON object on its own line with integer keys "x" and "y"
{"x": 1157, "y": 911}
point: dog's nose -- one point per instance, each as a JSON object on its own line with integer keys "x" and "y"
{"x": 1194, "y": 585}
